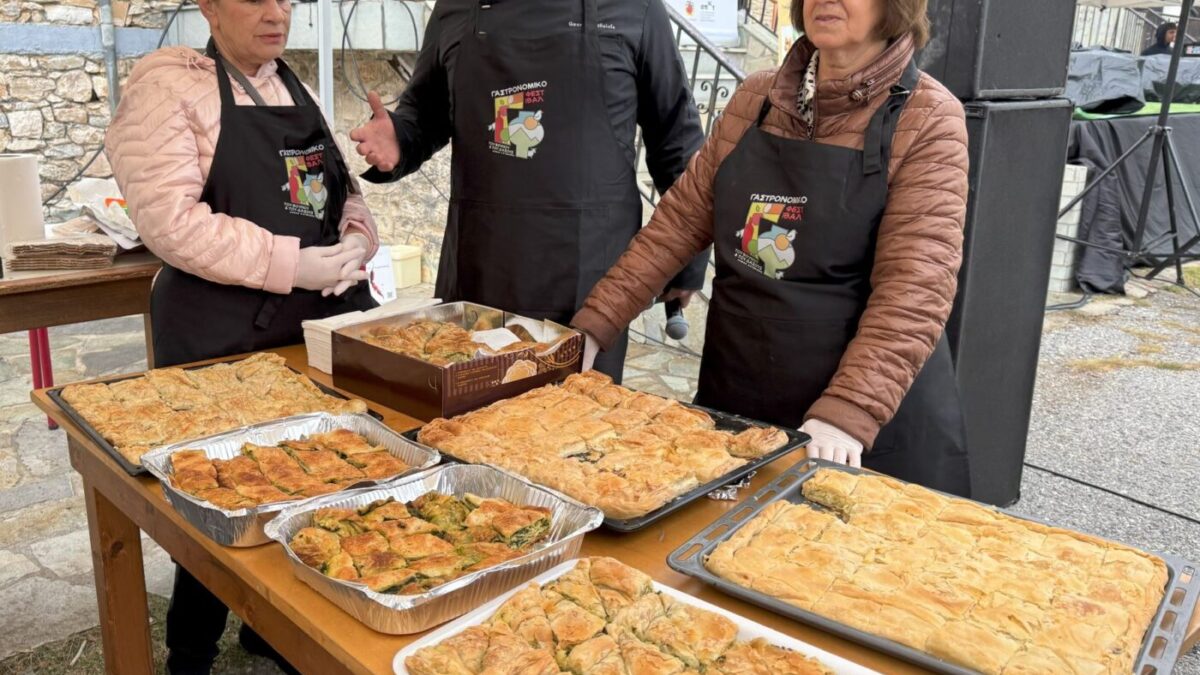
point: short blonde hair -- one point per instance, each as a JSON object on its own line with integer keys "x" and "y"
{"x": 901, "y": 17}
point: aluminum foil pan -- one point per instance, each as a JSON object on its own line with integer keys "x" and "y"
{"x": 404, "y": 614}
{"x": 244, "y": 527}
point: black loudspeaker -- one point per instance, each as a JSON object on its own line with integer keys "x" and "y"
{"x": 995, "y": 49}
{"x": 1018, "y": 151}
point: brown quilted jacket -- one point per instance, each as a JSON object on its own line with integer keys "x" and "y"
{"x": 919, "y": 247}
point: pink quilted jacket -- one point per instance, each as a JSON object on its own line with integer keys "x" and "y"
{"x": 161, "y": 145}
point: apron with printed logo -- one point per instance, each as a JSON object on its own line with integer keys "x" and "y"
{"x": 544, "y": 197}
{"x": 279, "y": 168}
{"x": 796, "y": 224}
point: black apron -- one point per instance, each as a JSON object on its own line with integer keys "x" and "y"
{"x": 279, "y": 168}
{"x": 544, "y": 199}
{"x": 796, "y": 224}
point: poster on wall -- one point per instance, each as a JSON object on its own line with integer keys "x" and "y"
{"x": 716, "y": 19}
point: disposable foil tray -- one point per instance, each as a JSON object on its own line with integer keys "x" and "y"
{"x": 747, "y": 629}
{"x": 724, "y": 422}
{"x": 1160, "y": 647}
{"x": 403, "y": 614}
{"x": 244, "y": 527}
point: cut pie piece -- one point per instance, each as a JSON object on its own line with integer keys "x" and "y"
{"x": 390, "y": 581}
{"x": 757, "y": 441}
{"x": 193, "y": 471}
{"x": 341, "y": 566}
{"x": 378, "y": 562}
{"x": 678, "y": 415}
{"x": 225, "y": 499}
{"x": 315, "y": 546}
{"x": 760, "y": 657}
{"x": 417, "y": 546}
{"x": 326, "y": 466}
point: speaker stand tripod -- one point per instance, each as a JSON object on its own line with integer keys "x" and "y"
{"x": 1162, "y": 151}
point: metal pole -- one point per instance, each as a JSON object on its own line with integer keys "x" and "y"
{"x": 325, "y": 57}
{"x": 109, "y": 45}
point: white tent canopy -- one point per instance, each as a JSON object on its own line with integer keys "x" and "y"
{"x": 1131, "y": 4}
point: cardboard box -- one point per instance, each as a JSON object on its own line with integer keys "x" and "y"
{"x": 425, "y": 391}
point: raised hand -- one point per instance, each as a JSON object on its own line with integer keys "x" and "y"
{"x": 376, "y": 140}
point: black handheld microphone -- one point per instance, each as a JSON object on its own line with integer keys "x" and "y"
{"x": 677, "y": 325}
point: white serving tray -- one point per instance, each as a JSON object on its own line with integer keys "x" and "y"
{"x": 747, "y": 629}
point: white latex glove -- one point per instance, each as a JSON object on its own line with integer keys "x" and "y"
{"x": 320, "y": 267}
{"x": 590, "y": 349}
{"x": 831, "y": 443}
{"x": 351, "y": 242}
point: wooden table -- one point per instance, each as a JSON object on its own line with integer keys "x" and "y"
{"x": 307, "y": 629}
{"x": 41, "y": 299}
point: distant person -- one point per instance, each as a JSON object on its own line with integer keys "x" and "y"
{"x": 1164, "y": 40}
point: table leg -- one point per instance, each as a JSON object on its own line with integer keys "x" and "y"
{"x": 120, "y": 586}
{"x": 35, "y": 358}
{"x": 47, "y": 366}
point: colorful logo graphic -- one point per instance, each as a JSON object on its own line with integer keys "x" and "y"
{"x": 766, "y": 245}
{"x": 305, "y": 185}
{"x": 516, "y": 126}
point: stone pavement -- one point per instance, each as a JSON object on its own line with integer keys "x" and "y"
{"x": 1113, "y": 410}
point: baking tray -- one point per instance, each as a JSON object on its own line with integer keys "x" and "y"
{"x": 130, "y": 468}
{"x": 747, "y": 629}
{"x": 725, "y": 422}
{"x": 1160, "y": 647}
{"x": 405, "y": 614}
{"x": 244, "y": 527}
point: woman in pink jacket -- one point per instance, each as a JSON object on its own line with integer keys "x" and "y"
{"x": 233, "y": 178}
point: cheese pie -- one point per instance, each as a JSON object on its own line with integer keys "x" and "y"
{"x": 170, "y": 405}
{"x": 957, "y": 580}
{"x": 294, "y": 469}
{"x": 605, "y": 618}
{"x": 625, "y": 452}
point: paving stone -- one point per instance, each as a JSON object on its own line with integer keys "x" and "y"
{"x": 678, "y": 385}
{"x": 34, "y": 492}
{"x": 60, "y": 609}
{"x": 160, "y": 571}
{"x": 42, "y": 451}
{"x": 124, "y": 324}
{"x": 15, "y": 414}
{"x": 685, "y": 366}
{"x": 11, "y": 470}
{"x": 1098, "y": 308}
{"x": 41, "y": 520}
{"x": 14, "y": 566}
{"x": 67, "y": 555}
{"x": 16, "y": 391}
{"x": 128, "y": 357}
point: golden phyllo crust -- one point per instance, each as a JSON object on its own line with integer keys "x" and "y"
{"x": 627, "y": 453}
{"x": 605, "y": 618}
{"x": 408, "y": 548}
{"x": 294, "y": 469}
{"x": 437, "y": 342}
{"x": 171, "y": 405}
{"x": 957, "y": 580}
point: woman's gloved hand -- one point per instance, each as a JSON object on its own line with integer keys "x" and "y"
{"x": 590, "y": 349}
{"x": 351, "y": 272}
{"x": 831, "y": 443}
{"x": 320, "y": 267}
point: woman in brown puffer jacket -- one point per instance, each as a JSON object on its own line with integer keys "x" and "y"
{"x": 834, "y": 190}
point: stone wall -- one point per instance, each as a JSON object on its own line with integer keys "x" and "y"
{"x": 140, "y": 13}
{"x": 55, "y": 107}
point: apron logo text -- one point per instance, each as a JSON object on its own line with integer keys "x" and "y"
{"x": 766, "y": 246}
{"x": 516, "y": 127}
{"x": 305, "y": 181}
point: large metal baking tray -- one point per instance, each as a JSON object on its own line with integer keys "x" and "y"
{"x": 405, "y": 614}
{"x": 725, "y": 422}
{"x": 1160, "y": 647}
{"x": 244, "y": 527}
{"x": 130, "y": 468}
{"x": 747, "y": 629}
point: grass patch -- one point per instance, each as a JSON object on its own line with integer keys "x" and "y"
{"x": 56, "y": 658}
{"x": 1114, "y": 363}
{"x": 1182, "y": 327}
{"x": 1149, "y": 348}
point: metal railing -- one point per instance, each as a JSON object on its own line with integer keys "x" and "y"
{"x": 710, "y": 89}
{"x": 762, "y": 12}
{"x": 1130, "y": 30}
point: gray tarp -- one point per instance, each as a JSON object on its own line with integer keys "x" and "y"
{"x": 1109, "y": 212}
{"x": 1101, "y": 81}
{"x": 1187, "y": 83}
